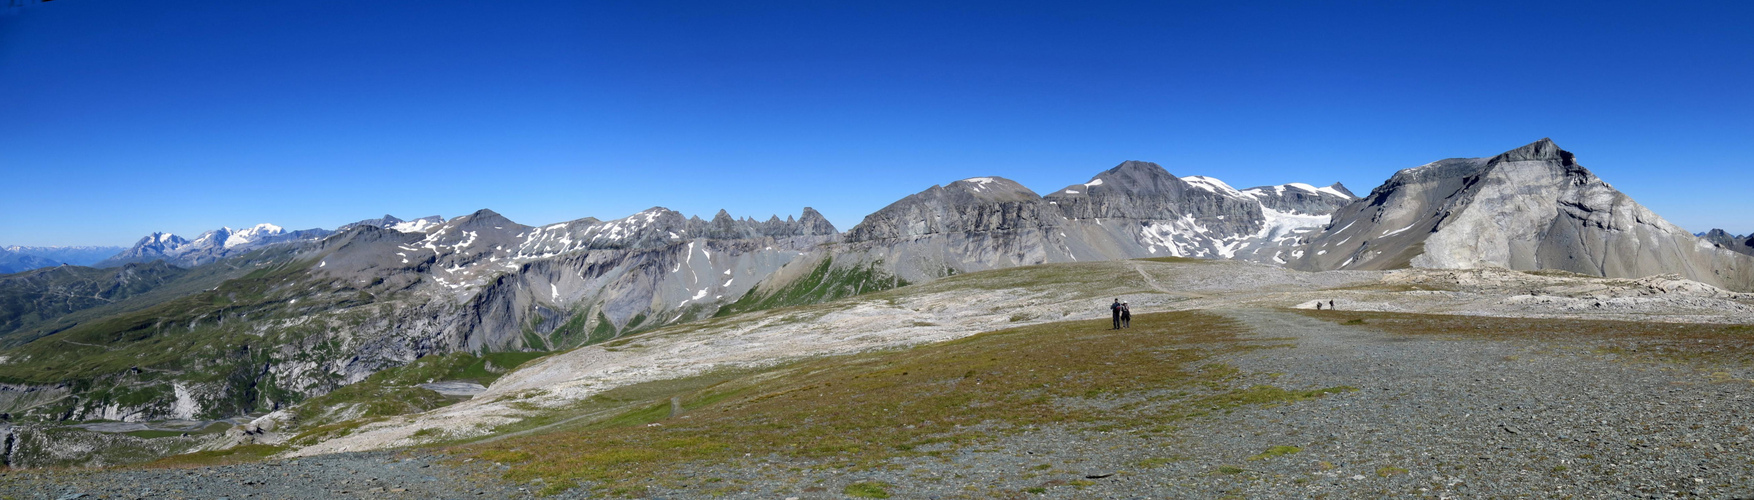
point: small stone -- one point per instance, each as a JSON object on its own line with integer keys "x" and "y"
{"x": 1356, "y": 477}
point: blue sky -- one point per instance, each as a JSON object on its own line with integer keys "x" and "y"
{"x": 119, "y": 118}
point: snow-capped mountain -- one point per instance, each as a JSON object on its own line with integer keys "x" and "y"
{"x": 210, "y": 246}
{"x": 391, "y": 222}
{"x": 1137, "y": 209}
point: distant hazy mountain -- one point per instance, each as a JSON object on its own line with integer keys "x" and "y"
{"x": 75, "y": 255}
{"x": 14, "y": 262}
{"x": 1530, "y": 208}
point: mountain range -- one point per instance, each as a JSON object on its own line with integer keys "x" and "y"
{"x": 160, "y": 331}
{"x": 16, "y": 258}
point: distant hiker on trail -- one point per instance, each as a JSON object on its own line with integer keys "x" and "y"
{"x": 1330, "y": 305}
{"x": 1115, "y": 310}
{"x": 1126, "y": 316}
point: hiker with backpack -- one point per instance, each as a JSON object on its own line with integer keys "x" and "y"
{"x": 1126, "y": 316}
{"x": 1115, "y": 311}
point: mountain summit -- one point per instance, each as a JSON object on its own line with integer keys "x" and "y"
{"x": 1529, "y": 208}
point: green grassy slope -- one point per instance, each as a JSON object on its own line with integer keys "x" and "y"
{"x": 824, "y": 283}
{"x": 219, "y": 337}
{"x": 32, "y": 306}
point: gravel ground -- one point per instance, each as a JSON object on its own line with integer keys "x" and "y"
{"x": 345, "y": 475}
{"x": 1432, "y": 417}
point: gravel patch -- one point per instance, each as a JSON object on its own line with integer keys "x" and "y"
{"x": 344, "y": 475}
{"x": 1432, "y": 417}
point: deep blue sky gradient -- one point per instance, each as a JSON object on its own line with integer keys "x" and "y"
{"x": 119, "y": 118}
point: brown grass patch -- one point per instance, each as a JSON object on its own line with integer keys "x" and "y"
{"x": 1691, "y": 343}
{"x": 861, "y": 410}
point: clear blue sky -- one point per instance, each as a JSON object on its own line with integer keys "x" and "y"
{"x": 119, "y": 118}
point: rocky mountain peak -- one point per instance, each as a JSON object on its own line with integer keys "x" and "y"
{"x": 1735, "y": 243}
{"x": 1529, "y": 208}
{"x": 968, "y": 205}
{"x": 1342, "y": 188}
{"x": 1138, "y": 178}
{"x": 483, "y": 219}
{"x": 1542, "y": 150}
{"x": 386, "y": 221}
{"x": 812, "y": 223}
{"x": 992, "y": 189}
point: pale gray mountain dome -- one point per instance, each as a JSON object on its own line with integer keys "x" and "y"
{"x": 1530, "y": 208}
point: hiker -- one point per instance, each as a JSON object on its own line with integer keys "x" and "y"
{"x": 1115, "y": 310}
{"x": 1126, "y": 315}
{"x": 1331, "y": 305}
{"x": 1318, "y": 305}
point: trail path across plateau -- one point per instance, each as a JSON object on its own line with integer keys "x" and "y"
{"x": 1474, "y": 417}
{"x": 1433, "y": 416}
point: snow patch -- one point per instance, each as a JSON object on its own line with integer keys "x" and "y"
{"x": 1212, "y": 185}
{"x": 1401, "y": 230}
{"x": 413, "y": 226}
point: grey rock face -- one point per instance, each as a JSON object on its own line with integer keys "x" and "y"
{"x": 969, "y": 205}
{"x": 1530, "y": 208}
